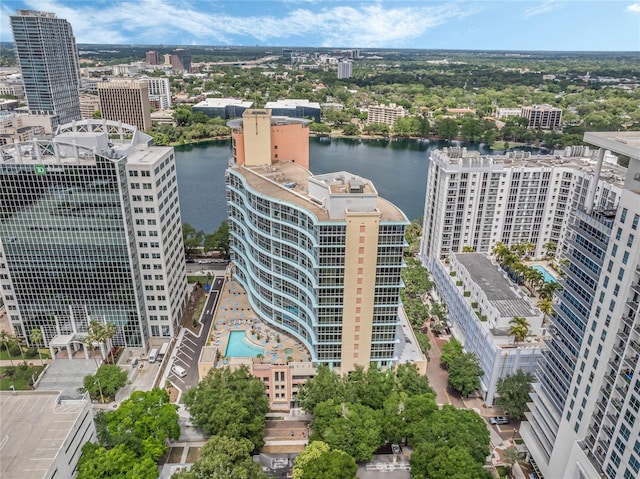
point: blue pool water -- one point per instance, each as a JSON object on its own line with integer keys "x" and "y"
{"x": 240, "y": 346}
{"x": 548, "y": 277}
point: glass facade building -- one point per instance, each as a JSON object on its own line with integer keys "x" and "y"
{"x": 79, "y": 242}
{"x": 48, "y": 59}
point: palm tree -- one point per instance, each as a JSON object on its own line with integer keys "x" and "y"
{"x": 519, "y": 328}
{"x": 546, "y": 306}
{"x": 5, "y": 338}
{"x": 109, "y": 330}
{"x": 36, "y": 338}
{"x": 511, "y": 456}
{"x": 500, "y": 250}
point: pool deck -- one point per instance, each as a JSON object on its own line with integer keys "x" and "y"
{"x": 235, "y": 314}
{"x": 546, "y": 265}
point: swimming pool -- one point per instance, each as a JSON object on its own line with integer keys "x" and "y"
{"x": 240, "y": 346}
{"x": 548, "y": 277}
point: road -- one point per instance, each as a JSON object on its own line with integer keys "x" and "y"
{"x": 188, "y": 350}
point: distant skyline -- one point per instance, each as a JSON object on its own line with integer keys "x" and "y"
{"x": 554, "y": 25}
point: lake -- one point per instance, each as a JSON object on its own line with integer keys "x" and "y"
{"x": 398, "y": 169}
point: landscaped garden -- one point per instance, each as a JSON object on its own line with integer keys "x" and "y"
{"x": 21, "y": 376}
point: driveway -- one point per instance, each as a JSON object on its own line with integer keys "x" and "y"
{"x": 188, "y": 349}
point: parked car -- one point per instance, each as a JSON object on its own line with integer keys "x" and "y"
{"x": 497, "y": 420}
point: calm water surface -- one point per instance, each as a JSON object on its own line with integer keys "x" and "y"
{"x": 398, "y": 169}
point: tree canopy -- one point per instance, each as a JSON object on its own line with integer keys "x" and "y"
{"x": 105, "y": 382}
{"x": 513, "y": 393}
{"x": 131, "y": 438}
{"x": 353, "y": 428}
{"x": 219, "y": 240}
{"x": 142, "y": 423}
{"x": 449, "y": 351}
{"x": 224, "y": 457}
{"x": 465, "y": 373}
{"x": 118, "y": 462}
{"x": 319, "y": 461}
{"x": 432, "y": 461}
{"x": 229, "y": 403}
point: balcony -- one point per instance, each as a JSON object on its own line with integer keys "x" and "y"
{"x": 636, "y": 288}
{"x": 633, "y": 305}
{"x": 635, "y": 346}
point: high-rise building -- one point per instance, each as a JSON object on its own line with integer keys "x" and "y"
{"x": 387, "y": 114}
{"x": 544, "y": 117}
{"x": 90, "y": 229}
{"x": 152, "y": 58}
{"x": 344, "y": 69}
{"x": 479, "y": 200}
{"x": 319, "y": 256}
{"x": 181, "y": 59}
{"x": 126, "y": 101}
{"x": 159, "y": 89}
{"x": 584, "y": 418}
{"x": 48, "y": 59}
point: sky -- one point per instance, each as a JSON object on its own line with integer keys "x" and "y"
{"x": 552, "y": 25}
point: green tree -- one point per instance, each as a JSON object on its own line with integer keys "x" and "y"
{"x": 5, "y": 339}
{"x": 546, "y": 306}
{"x": 119, "y": 462}
{"x": 36, "y": 338}
{"x": 451, "y": 427}
{"x": 450, "y": 351}
{"x": 465, "y": 373}
{"x": 519, "y": 328}
{"x": 96, "y": 114}
{"x": 219, "y": 240}
{"x": 432, "y": 461}
{"x": 352, "y": 428}
{"x": 408, "y": 379}
{"x": 192, "y": 239}
{"x": 513, "y": 393}
{"x": 447, "y": 128}
{"x": 323, "y": 386}
{"x": 350, "y": 129}
{"x": 511, "y": 456}
{"x": 224, "y": 457}
{"x": 319, "y": 461}
{"x": 319, "y": 127}
{"x": 105, "y": 382}
{"x": 230, "y": 403}
{"x": 142, "y": 423}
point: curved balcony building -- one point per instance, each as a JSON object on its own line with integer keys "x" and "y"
{"x": 319, "y": 256}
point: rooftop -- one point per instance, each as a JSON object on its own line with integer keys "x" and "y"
{"x": 33, "y": 427}
{"x": 292, "y": 104}
{"x": 222, "y": 102}
{"x": 623, "y": 142}
{"x": 289, "y": 182}
{"x": 498, "y": 289}
{"x": 459, "y": 158}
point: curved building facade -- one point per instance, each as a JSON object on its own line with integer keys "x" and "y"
{"x": 320, "y": 258}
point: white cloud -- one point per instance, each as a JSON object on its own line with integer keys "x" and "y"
{"x": 161, "y": 21}
{"x": 634, "y": 7}
{"x": 543, "y": 7}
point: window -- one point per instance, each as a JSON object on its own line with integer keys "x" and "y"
{"x": 623, "y": 215}
{"x": 636, "y": 219}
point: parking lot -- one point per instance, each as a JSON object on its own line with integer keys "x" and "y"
{"x": 187, "y": 350}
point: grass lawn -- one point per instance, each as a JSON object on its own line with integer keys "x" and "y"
{"x": 502, "y": 471}
{"x": 43, "y": 351}
{"x": 197, "y": 279}
{"x": 20, "y": 380}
